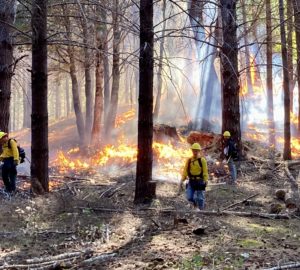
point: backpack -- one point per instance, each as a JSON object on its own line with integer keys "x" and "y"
{"x": 233, "y": 150}
{"x": 196, "y": 184}
{"x": 22, "y": 154}
{"x": 189, "y": 167}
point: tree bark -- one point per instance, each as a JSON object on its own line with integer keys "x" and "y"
{"x": 230, "y": 75}
{"x": 297, "y": 30}
{"x": 289, "y": 14}
{"x": 106, "y": 77}
{"x": 113, "y": 108}
{"x": 287, "y": 124}
{"x": 271, "y": 124}
{"x": 247, "y": 51}
{"x": 98, "y": 109}
{"x": 75, "y": 88}
{"x": 39, "y": 117}
{"x": 160, "y": 63}
{"x": 7, "y": 16}
{"x": 144, "y": 190}
{"x": 88, "y": 80}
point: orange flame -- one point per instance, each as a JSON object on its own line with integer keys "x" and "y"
{"x": 169, "y": 158}
{"x": 123, "y": 118}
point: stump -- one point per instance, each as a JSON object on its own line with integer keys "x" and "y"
{"x": 203, "y": 138}
{"x": 280, "y": 194}
{"x": 162, "y": 133}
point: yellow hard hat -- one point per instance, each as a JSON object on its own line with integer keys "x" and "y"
{"x": 2, "y": 134}
{"x": 226, "y": 134}
{"x": 196, "y": 146}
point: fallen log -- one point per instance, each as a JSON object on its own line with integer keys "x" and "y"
{"x": 62, "y": 256}
{"x": 52, "y": 262}
{"x": 292, "y": 162}
{"x": 290, "y": 202}
{"x": 97, "y": 259}
{"x": 244, "y": 200}
{"x": 196, "y": 212}
{"x": 287, "y": 266}
{"x": 293, "y": 182}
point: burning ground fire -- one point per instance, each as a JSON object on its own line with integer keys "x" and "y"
{"x": 256, "y": 134}
{"x": 168, "y": 158}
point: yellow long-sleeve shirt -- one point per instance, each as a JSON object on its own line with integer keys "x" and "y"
{"x": 11, "y": 151}
{"x": 195, "y": 168}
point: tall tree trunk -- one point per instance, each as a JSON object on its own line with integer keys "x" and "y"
{"x": 229, "y": 61}
{"x": 98, "y": 109}
{"x": 206, "y": 55}
{"x": 160, "y": 63}
{"x": 113, "y": 108}
{"x": 271, "y": 124}
{"x": 297, "y": 30}
{"x": 145, "y": 190}
{"x": 68, "y": 107}
{"x": 289, "y": 14}
{"x": 39, "y": 116}
{"x": 287, "y": 124}
{"x": 7, "y": 16}
{"x": 88, "y": 80}
{"x": 247, "y": 52}
{"x": 75, "y": 87}
{"x": 106, "y": 78}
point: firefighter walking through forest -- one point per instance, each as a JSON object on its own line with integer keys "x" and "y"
{"x": 230, "y": 154}
{"x": 195, "y": 170}
{"x": 10, "y": 159}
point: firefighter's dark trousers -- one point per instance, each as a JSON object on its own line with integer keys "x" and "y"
{"x": 9, "y": 174}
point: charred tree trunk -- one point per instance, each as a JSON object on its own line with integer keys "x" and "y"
{"x": 113, "y": 108}
{"x": 230, "y": 75}
{"x": 297, "y": 30}
{"x": 7, "y": 16}
{"x": 271, "y": 124}
{"x": 145, "y": 190}
{"x": 287, "y": 123}
{"x": 98, "y": 109}
{"x": 289, "y": 14}
{"x": 39, "y": 117}
{"x": 75, "y": 87}
{"x": 160, "y": 64}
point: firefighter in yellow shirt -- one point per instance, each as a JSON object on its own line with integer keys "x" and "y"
{"x": 195, "y": 170}
{"x": 10, "y": 159}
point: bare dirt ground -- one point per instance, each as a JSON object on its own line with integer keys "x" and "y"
{"x": 95, "y": 216}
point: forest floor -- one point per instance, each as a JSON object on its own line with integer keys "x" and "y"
{"x": 94, "y": 215}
